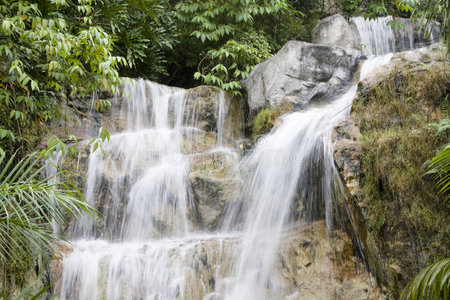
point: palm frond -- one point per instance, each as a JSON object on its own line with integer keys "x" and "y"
{"x": 440, "y": 167}
{"x": 29, "y": 205}
{"x": 433, "y": 282}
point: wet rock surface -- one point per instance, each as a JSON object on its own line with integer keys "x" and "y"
{"x": 347, "y": 154}
{"x": 213, "y": 185}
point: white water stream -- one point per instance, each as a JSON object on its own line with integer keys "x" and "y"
{"x": 378, "y": 38}
{"x": 149, "y": 247}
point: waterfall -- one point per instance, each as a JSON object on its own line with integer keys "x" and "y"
{"x": 277, "y": 167}
{"x": 377, "y": 37}
{"x": 144, "y": 246}
{"x": 149, "y": 243}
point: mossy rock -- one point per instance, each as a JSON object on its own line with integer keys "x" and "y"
{"x": 407, "y": 218}
{"x": 266, "y": 119}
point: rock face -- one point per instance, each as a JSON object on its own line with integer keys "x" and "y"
{"x": 298, "y": 74}
{"x": 334, "y": 30}
{"x": 347, "y": 154}
{"x": 417, "y": 60}
{"x": 380, "y": 152}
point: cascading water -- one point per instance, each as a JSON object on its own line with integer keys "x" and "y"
{"x": 277, "y": 166}
{"x": 149, "y": 247}
{"x": 378, "y": 38}
{"x": 142, "y": 189}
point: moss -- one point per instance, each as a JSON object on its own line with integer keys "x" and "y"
{"x": 266, "y": 118}
{"x": 407, "y": 218}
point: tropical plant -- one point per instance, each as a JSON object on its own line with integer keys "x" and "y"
{"x": 26, "y": 293}
{"x": 440, "y": 164}
{"x": 30, "y": 206}
{"x": 227, "y": 66}
{"x": 433, "y": 282}
{"x": 432, "y": 10}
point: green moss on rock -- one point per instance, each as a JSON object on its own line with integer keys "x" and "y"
{"x": 407, "y": 218}
{"x": 266, "y": 118}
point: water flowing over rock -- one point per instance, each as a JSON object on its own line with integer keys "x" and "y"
{"x": 376, "y": 37}
{"x": 300, "y": 73}
{"x": 151, "y": 247}
{"x": 334, "y": 30}
{"x": 142, "y": 185}
{"x": 188, "y": 215}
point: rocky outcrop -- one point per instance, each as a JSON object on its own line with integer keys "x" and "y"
{"x": 417, "y": 60}
{"x": 336, "y": 31}
{"x": 381, "y": 151}
{"x": 347, "y": 154}
{"x": 298, "y": 74}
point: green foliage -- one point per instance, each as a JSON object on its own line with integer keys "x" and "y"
{"x": 350, "y": 7}
{"x": 97, "y": 142}
{"x": 231, "y": 42}
{"x": 440, "y": 164}
{"x": 26, "y": 293}
{"x": 213, "y": 20}
{"x": 433, "y": 282}
{"x": 54, "y": 144}
{"x": 227, "y": 66}
{"x": 49, "y": 49}
{"x": 376, "y": 8}
{"x": 144, "y": 31}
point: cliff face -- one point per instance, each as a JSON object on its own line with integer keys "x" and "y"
{"x": 382, "y": 151}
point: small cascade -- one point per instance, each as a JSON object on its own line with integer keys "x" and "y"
{"x": 139, "y": 183}
{"x": 276, "y": 168}
{"x": 377, "y": 37}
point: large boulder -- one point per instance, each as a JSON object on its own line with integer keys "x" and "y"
{"x": 334, "y": 30}
{"x": 298, "y": 74}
